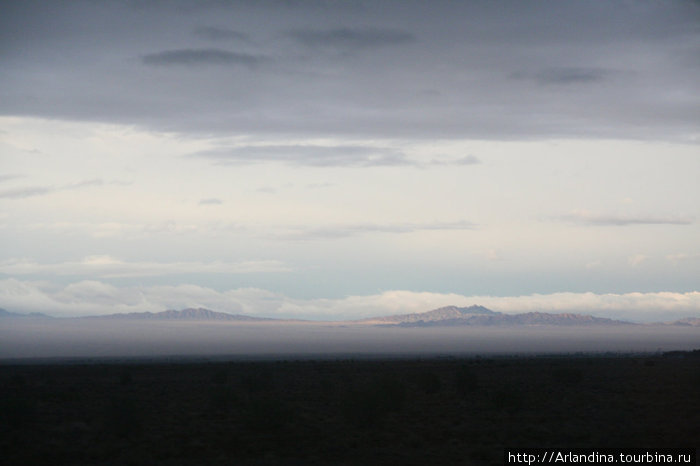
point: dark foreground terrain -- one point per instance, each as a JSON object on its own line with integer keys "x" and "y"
{"x": 409, "y": 412}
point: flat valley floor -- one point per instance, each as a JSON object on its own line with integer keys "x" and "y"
{"x": 401, "y": 411}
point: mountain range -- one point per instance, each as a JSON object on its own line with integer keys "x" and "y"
{"x": 185, "y": 314}
{"x": 688, "y": 321}
{"x": 5, "y": 313}
{"x": 444, "y": 316}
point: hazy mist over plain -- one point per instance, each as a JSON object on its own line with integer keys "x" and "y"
{"x": 94, "y": 338}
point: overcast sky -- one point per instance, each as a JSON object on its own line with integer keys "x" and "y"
{"x": 327, "y": 159}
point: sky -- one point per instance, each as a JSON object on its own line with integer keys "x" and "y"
{"x": 334, "y": 160}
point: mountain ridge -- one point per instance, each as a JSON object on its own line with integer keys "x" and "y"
{"x": 6, "y": 313}
{"x": 199, "y": 313}
{"x": 687, "y": 321}
{"x": 474, "y": 315}
{"x": 527, "y": 318}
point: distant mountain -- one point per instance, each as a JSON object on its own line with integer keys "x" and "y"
{"x": 688, "y": 322}
{"x": 185, "y": 314}
{"x": 479, "y": 315}
{"x": 442, "y": 314}
{"x": 540, "y": 318}
{"x": 8, "y": 314}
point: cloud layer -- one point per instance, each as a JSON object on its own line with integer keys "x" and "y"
{"x": 214, "y": 33}
{"x": 345, "y": 231}
{"x": 31, "y": 191}
{"x": 399, "y": 69}
{"x": 95, "y": 297}
{"x": 307, "y": 155}
{"x": 107, "y": 266}
{"x": 352, "y": 39}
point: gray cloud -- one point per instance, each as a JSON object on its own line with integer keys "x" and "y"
{"x": 348, "y": 39}
{"x": 594, "y": 219}
{"x": 300, "y": 154}
{"x": 31, "y": 191}
{"x": 464, "y": 52}
{"x": 210, "y": 201}
{"x": 319, "y": 185}
{"x": 86, "y": 183}
{"x": 193, "y": 57}
{"x": 566, "y": 75}
{"x": 345, "y": 231}
{"x": 571, "y": 75}
{"x": 220, "y": 34}
{"x": 26, "y": 191}
{"x": 8, "y": 177}
{"x": 467, "y": 160}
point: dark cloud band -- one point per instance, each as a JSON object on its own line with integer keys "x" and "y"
{"x": 194, "y": 57}
{"x": 352, "y": 39}
{"x": 220, "y": 34}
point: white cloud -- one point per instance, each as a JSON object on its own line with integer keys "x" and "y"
{"x": 306, "y": 155}
{"x": 344, "y": 231}
{"x": 637, "y": 259}
{"x": 594, "y": 264}
{"x": 211, "y": 201}
{"x": 107, "y": 266}
{"x": 127, "y": 230}
{"x": 682, "y": 257}
{"x": 95, "y": 297}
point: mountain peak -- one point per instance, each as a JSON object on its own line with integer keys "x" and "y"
{"x": 456, "y": 311}
{"x": 436, "y": 315}
{"x": 479, "y": 315}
